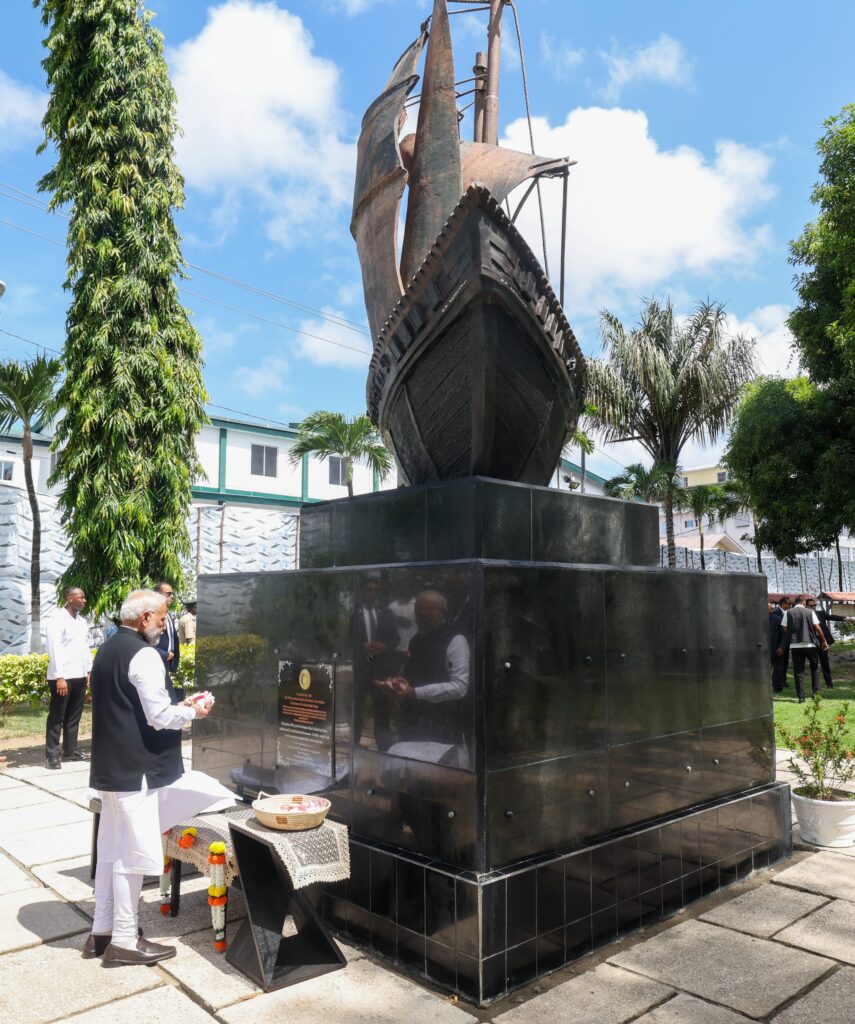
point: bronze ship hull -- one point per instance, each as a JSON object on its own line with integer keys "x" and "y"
{"x": 476, "y": 371}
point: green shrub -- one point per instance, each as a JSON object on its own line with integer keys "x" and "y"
{"x": 23, "y": 680}
{"x": 185, "y": 677}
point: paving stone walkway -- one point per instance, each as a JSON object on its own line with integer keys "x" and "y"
{"x": 778, "y": 948}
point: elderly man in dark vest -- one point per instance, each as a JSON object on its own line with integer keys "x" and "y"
{"x": 137, "y": 770}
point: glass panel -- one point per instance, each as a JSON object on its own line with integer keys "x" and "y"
{"x": 270, "y": 456}
{"x": 257, "y": 459}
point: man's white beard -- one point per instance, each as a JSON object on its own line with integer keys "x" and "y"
{"x": 152, "y": 633}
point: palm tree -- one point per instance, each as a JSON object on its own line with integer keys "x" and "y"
{"x": 351, "y": 438}
{"x": 704, "y": 501}
{"x": 579, "y": 439}
{"x": 667, "y": 382}
{"x": 638, "y": 483}
{"x": 736, "y": 497}
{"x": 27, "y": 393}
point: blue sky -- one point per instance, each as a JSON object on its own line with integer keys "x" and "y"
{"x": 694, "y": 127}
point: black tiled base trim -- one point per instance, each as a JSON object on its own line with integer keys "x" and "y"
{"x": 482, "y": 938}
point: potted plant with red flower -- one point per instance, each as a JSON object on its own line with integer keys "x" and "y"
{"x": 823, "y": 761}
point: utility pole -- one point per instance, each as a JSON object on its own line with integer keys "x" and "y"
{"x": 494, "y": 54}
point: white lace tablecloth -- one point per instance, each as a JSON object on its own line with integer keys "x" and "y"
{"x": 319, "y": 854}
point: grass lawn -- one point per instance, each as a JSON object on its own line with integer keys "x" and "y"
{"x": 24, "y": 726}
{"x": 790, "y": 713}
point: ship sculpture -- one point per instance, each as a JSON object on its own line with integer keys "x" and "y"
{"x": 475, "y": 370}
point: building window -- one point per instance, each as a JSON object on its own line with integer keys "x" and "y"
{"x": 263, "y": 460}
{"x": 338, "y": 471}
{"x": 721, "y": 477}
{"x": 685, "y": 481}
{"x": 6, "y": 470}
{"x": 689, "y": 524}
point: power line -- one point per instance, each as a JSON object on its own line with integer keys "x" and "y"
{"x": 28, "y": 231}
{"x": 19, "y": 337}
{"x": 27, "y": 199}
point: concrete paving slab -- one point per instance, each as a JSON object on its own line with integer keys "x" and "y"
{"x": 199, "y": 969}
{"x": 22, "y": 796}
{"x": 361, "y": 993}
{"x": 8, "y": 781}
{"x": 826, "y": 873}
{"x": 44, "y": 846}
{"x": 12, "y": 878}
{"x": 70, "y": 878}
{"x": 165, "y": 1005}
{"x": 831, "y": 1002}
{"x": 606, "y": 995}
{"x": 32, "y": 916}
{"x": 830, "y": 931}
{"x": 41, "y": 816}
{"x": 57, "y": 782}
{"x": 753, "y": 976}
{"x": 30, "y": 772}
{"x": 688, "y": 1010}
{"x": 52, "y": 982}
{"x": 765, "y": 910}
{"x": 80, "y": 795}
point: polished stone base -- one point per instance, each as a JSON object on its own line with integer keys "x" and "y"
{"x": 483, "y": 935}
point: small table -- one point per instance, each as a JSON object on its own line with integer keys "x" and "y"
{"x": 273, "y": 867}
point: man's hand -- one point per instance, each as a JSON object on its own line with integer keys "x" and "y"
{"x": 779, "y": 653}
{"x": 200, "y": 709}
{"x": 61, "y": 687}
{"x": 170, "y": 656}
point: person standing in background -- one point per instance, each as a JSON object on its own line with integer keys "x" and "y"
{"x": 825, "y": 618}
{"x": 69, "y": 664}
{"x": 777, "y": 643}
{"x": 187, "y": 624}
{"x": 169, "y": 644}
{"x": 805, "y": 639}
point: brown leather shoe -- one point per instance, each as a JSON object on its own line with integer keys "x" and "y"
{"x": 146, "y": 953}
{"x": 96, "y": 944}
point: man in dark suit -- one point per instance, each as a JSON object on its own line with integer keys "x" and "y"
{"x": 825, "y": 618}
{"x": 375, "y": 656}
{"x": 778, "y": 649}
{"x": 169, "y": 644}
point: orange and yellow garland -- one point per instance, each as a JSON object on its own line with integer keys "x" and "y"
{"x": 218, "y": 893}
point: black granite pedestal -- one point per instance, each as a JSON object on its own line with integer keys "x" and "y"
{"x": 590, "y": 745}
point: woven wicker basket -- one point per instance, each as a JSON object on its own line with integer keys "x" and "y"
{"x": 267, "y": 810}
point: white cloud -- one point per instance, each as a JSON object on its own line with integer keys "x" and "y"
{"x": 267, "y": 376}
{"x": 353, "y": 7}
{"x": 768, "y": 324}
{"x": 639, "y": 214}
{"x": 342, "y": 347}
{"x": 21, "y": 111}
{"x": 664, "y": 60}
{"x": 559, "y": 55}
{"x": 259, "y": 109}
{"x": 216, "y": 339}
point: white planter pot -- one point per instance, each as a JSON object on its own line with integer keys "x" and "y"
{"x": 825, "y": 822}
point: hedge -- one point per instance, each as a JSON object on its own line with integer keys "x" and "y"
{"x": 23, "y": 680}
{"x": 23, "y": 677}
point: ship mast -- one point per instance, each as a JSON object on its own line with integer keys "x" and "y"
{"x": 491, "y": 90}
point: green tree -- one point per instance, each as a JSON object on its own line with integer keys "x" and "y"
{"x": 638, "y": 483}
{"x": 350, "y": 438}
{"x": 737, "y": 498}
{"x": 133, "y": 392}
{"x": 784, "y": 478}
{"x": 704, "y": 501}
{"x": 27, "y": 393}
{"x": 823, "y": 324}
{"x": 667, "y": 382}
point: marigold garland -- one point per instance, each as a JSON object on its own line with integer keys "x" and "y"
{"x": 218, "y": 893}
{"x": 187, "y": 838}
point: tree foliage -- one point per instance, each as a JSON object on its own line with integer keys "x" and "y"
{"x": 638, "y": 483}
{"x": 133, "y": 394}
{"x": 705, "y": 501}
{"x": 27, "y": 395}
{"x": 351, "y": 438}
{"x": 788, "y": 479}
{"x": 668, "y": 381}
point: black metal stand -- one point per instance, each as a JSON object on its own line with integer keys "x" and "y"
{"x": 259, "y": 949}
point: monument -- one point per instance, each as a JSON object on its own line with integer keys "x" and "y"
{"x": 539, "y": 739}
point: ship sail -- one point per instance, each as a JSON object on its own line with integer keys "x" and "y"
{"x": 435, "y": 184}
{"x": 380, "y": 179}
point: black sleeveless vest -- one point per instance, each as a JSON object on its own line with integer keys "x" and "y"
{"x": 124, "y": 746}
{"x": 423, "y": 721}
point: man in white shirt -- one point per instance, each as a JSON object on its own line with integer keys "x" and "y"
{"x": 69, "y": 663}
{"x": 138, "y": 774}
{"x": 804, "y": 639}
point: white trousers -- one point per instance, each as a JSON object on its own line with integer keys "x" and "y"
{"x": 130, "y": 847}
